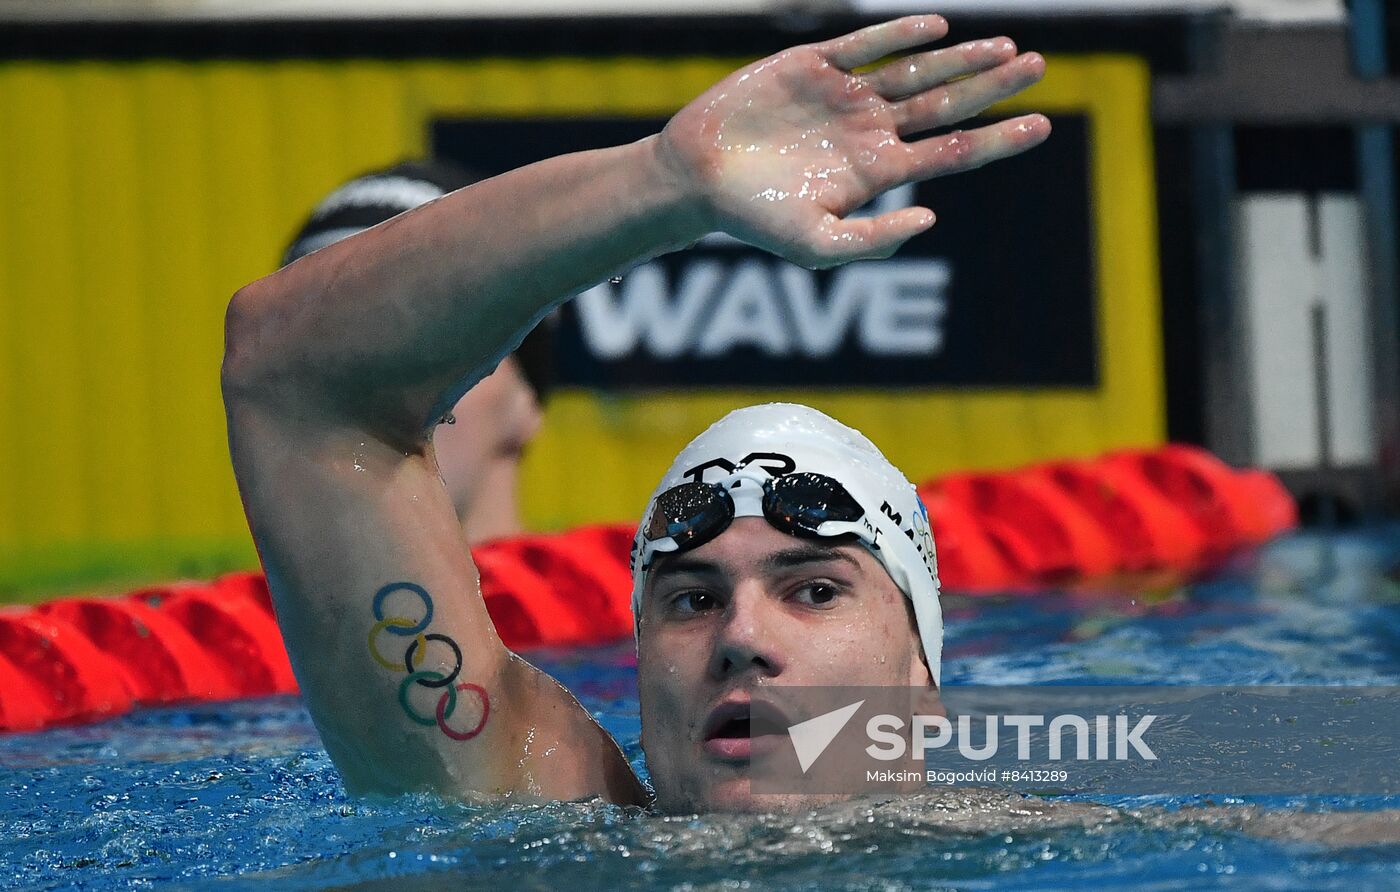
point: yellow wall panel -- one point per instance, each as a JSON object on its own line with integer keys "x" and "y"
{"x": 174, "y": 182}
{"x": 118, "y": 442}
{"x": 50, "y": 481}
{"x": 136, "y": 197}
{"x": 9, "y": 320}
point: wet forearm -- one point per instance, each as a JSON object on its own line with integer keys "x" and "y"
{"x": 392, "y": 325}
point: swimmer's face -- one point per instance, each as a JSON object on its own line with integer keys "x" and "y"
{"x": 756, "y": 607}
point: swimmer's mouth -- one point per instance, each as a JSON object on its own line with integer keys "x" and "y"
{"x": 745, "y": 719}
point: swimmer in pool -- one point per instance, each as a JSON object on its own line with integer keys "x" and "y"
{"x": 338, "y": 367}
{"x": 480, "y": 463}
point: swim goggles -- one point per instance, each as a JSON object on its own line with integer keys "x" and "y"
{"x": 802, "y": 504}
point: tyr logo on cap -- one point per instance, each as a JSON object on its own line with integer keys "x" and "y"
{"x": 775, "y": 463}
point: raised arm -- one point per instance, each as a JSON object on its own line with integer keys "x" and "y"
{"x": 338, "y": 367}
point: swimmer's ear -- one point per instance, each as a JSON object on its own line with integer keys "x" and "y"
{"x": 919, "y": 674}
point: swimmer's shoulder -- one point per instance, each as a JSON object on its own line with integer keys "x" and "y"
{"x": 565, "y": 753}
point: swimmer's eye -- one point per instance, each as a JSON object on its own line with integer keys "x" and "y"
{"x": 817, "y": 594}
{"x": 694, "y": 601}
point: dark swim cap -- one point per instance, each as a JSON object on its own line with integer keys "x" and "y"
{"x": 374, "y": 197}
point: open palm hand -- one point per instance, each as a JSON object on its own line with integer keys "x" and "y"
{"x": 782, "y": 151}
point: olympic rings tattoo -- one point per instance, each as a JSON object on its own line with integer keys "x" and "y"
{"x": 451, "y": 676}
{"x": 413, "y": 658}
{"x": 392, "y": 622}
{"x": 386, "y": 591}
{"x": 403, "y": 696}
{"x": 444, "y": 709}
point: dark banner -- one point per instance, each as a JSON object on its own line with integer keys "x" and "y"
{"x": 1000, "y": 293}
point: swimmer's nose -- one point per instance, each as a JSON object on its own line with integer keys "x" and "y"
{"x": 746, "y": 641}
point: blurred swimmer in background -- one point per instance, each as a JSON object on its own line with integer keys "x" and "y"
{"x": 481, "y": 441}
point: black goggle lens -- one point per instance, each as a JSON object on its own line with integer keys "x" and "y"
{"x": 798, "y": 504}
{"x": 691, "y": 514}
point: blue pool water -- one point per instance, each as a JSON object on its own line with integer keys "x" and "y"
{"x": 242, "y": 794}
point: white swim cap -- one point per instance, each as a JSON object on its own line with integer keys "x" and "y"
{"x": 758, "y": 443}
